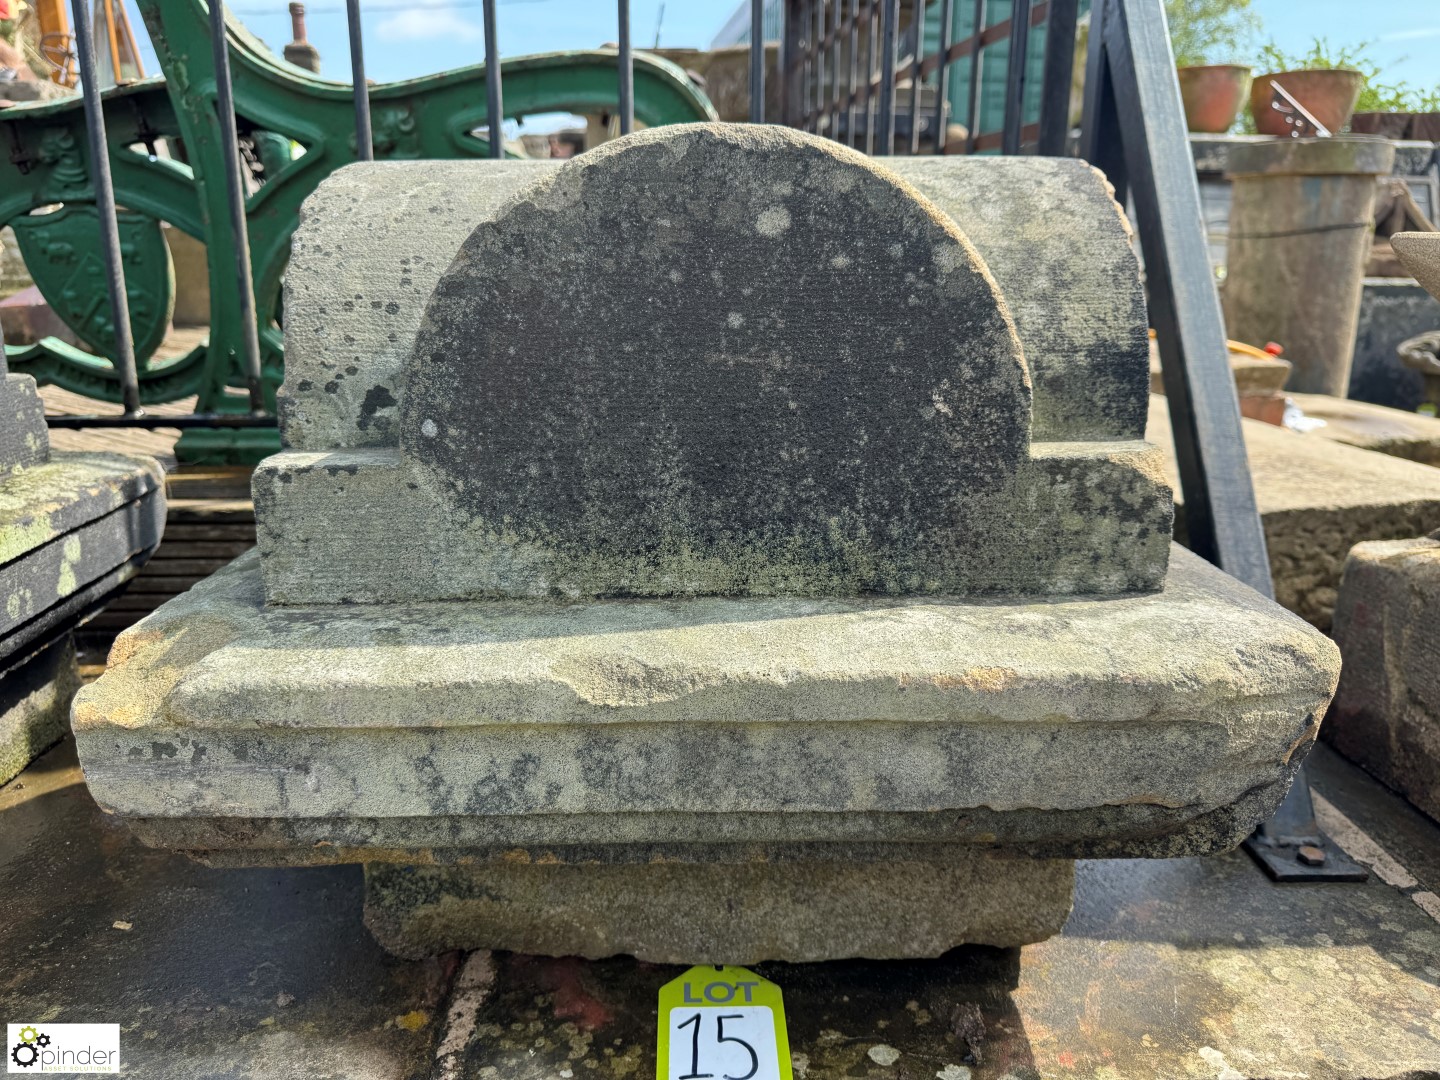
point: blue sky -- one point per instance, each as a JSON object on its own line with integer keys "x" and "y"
{"x": 407, "y": 38}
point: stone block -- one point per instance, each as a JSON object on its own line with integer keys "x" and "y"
{"x": 375, "y": 238}
{"x": 760, "y": 424}
{"x": 35, "y": 698}
{"x": 794, "y": 544}
{"x": 739, "y": 913}
{"x": 354, "y": 295}
{"x": 1374, "y": 427}
{"x": 1386, "y": 715}
{"x": 1318, "y": 499}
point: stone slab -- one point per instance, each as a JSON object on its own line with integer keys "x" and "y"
{"x": 375, "y": 237}
{"x": 43, "y": 503}
{"x": 1374, "y": 427}
{"x": 1387, "y": 709}
{"x": 1125, "y": 722}
{"x": 728, "y": 360}
{"x": 734, "y": 914}
{"x": 368, "y": 527}
{"x": 35, "y": 705}
{"x": 1318, "y": 499}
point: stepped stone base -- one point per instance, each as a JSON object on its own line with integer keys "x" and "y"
{"x": 738, "y": 913}
{"x": 35, "y": 706}
{"x": 1386, "y": 715}
{"x": 1158, "y": 724}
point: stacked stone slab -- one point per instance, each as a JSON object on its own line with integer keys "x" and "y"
{"x": 74, "y": 527}
{"x": 718, "y": 547}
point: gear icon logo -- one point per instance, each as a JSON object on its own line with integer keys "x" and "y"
{"x": 26, "y": 1052}
{"x": 19, "y": 1054}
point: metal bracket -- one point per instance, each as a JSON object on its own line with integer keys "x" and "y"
{"x": 1290, "y": 846}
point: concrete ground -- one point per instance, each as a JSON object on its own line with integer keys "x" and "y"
{"x": 1176, "y": 968}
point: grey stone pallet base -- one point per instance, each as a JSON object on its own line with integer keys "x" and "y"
{"x": 715, "y": 913}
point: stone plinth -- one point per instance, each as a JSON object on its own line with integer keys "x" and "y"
{"x": 74, "y": 528}
{"x": 710, "y": 548}
{"x": 1319, "y": 498}
{"x": 1387, "y": 624}
{"x": 1300, "y": 231}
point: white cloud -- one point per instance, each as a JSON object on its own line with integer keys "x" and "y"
{"x": 1412, "y": 35}
{"x": 425, "y": 22}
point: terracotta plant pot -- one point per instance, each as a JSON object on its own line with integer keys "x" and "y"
{"x": 1424, "y": 126}
{"x": 1213, "y": 95}
{"x": 1390, "y": 125}
{"x": 1329, "y": 96}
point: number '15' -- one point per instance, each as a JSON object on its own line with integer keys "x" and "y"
{"x": 720, "y": 1037}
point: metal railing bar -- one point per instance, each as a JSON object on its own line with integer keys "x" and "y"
{"x": 942, "y": 86}
{"x": 627, "y": 72}
{"x": 835, "y": 7}
{"x": 494, "y": 103}
{"x": 235, "y": 200}
{"x": 956, "y": 51}
{"x": 757, "y": 61}
{"x": 1059, "y": 74}
{"x": 872, "y": 45}
{"x": 364, "y": 143}
{"x": 124, "y": 359}
{"x": 988, "y": 36}
{"x": 1015, "y": 77}
{"x": 974, "y": 43}
{"x": 853, "y": 76}
{"x": 782, "y": 64}
{"x": 917, "y": 25}
{"x": 819, "y": 50}
{"x": 885, "y": 136}
{"x": 807, "y": 66}
{"x": 151, "y": 421}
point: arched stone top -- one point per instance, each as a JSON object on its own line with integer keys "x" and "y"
{"x": 718, "y": 342}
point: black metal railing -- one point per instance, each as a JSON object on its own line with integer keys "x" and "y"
{"x": 133, "y": 414}
{"x": 839, "y": 66}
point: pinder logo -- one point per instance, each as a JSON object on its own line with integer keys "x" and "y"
{"x": 63, "y": 1048}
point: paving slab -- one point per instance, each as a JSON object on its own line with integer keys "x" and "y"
{"x": 1318, "y": 499}
{"x": 1374, "y": 427}
{"x": 1169, "y": 968}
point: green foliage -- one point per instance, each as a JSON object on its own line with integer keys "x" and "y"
{"x": 1210, "y": 31}
{"x": 1378, "y": 95}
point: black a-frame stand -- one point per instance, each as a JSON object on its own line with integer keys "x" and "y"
{"x": 1134, "y": 131}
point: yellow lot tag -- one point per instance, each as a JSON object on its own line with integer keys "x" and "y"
{"x": 722, "y": 1023}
